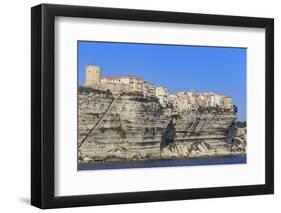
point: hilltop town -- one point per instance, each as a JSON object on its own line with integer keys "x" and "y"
{"x": 127, "y": 118}
{"x": 181, "y": 100}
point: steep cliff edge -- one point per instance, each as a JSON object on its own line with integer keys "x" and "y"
{"x": 129, "y": 126}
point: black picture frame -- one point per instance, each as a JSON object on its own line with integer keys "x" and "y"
{"x": 43, "y": 105}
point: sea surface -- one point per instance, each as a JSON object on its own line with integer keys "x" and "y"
{"x": 240, "y": 159}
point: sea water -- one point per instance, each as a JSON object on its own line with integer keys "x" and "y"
{"x": 240, "y": 159}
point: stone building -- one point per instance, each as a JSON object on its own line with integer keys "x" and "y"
{"x": 227, "y": 102}
{"x": 117, "y": 83}
{"x": 92, "y": 75}
{"x": 184, "y": 100}
{"x": 148, "y": 89}
{"x": 208, "y": 99}
{"x": 216, "y": 100}
{"x": 192, "y": 100}
{"x": 115, "y": 79}
{"x": 162, "y": 94}
{"x": 181, "y": 100}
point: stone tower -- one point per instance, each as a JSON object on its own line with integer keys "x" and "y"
{"x": 92, "y": 75}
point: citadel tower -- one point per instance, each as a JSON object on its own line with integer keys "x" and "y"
{"x": 92, "y": 75}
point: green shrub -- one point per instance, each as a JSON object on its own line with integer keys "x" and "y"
{"x": 88, "y": 90}
{"x": 241, "y": 124}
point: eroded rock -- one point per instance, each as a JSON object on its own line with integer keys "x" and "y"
{"x": 129, "y": 126}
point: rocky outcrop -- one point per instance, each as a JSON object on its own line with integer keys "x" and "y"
{"x": 239, "y": 142}
{"x": 195, "y": 149}
{"x": 129, "y": 126}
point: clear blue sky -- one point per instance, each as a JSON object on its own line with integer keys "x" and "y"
{"x": 179, "y": 68}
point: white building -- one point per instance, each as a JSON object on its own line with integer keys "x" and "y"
{"x": 216, "y": 100}
{"x": 162, "y": 94}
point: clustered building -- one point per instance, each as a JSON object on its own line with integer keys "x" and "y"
{"x": 180, "y": 100}
{"x": 118, "y": 83}
{"x": 193, "y": 100}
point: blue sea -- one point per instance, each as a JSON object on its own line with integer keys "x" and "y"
{"x": 241, "y": 159}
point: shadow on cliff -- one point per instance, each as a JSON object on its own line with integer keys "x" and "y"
{"x": 168, "y": 135}
{"x": 231, "y": 133}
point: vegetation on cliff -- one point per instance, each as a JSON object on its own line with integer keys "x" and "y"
{"x": 87, "y": 90}
{"x": 241, "y": 124}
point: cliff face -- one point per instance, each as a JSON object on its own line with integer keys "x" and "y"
{"x": 132, "y": 127}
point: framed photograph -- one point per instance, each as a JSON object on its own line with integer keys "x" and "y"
{"x": 139, "y": 106}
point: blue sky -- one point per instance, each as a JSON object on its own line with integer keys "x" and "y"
{"x": 179, "y": 68}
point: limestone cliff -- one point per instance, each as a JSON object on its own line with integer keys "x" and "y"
{"x": 129, "y": 126}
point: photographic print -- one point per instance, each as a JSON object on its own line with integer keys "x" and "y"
{"x": 126, "y": 95}
{"x": 157, "y": 105}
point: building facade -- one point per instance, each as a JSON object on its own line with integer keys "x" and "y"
{"x": 117, "y": 83}
{"x": 92, "y": 75}
{"x": 227, "y": 102}
{"x": 181, "y": 100}
{"x": 162, "y": 94}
